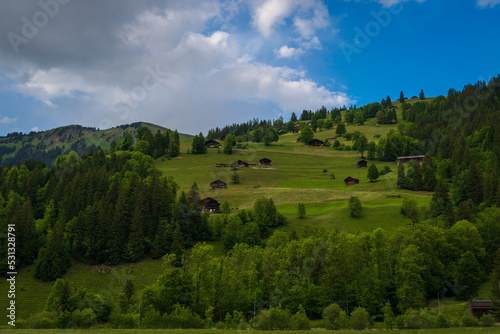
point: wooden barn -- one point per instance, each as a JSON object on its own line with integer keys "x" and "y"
{"x": 296, "y": 124}
{"x": 362, "y": 163}
{"x": 315, "y": 142}
{"x": 295, "y": 131}
{"x": 405, "y": 160}
{"x": 218, "y": 184}
{"x": 242, "y": 164}
{"x": 212, "y": 143}
{"x": 331, "y": 139}
{"x": 479, "y": 307}
{"x": 265, "y": 162}
{"x": 414, "y": 98}
{"x": 349, "y": 181}
{"x": 210, "y": 205}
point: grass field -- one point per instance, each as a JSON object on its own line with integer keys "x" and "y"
{"x": 469, "y": 330}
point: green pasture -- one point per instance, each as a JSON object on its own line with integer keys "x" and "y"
{"x": 466, "y": 330}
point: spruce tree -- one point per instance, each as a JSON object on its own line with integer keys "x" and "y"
{"x": 429, "y": 173}
{"x": 53, "y": 260}
{"x": 373, "y": 173}
{"x": 294, "y": 117}
{"x": 422, "y": 96}
{"x": 474, "y": 184}
{"x": 401, "y": 97}
{"x": 136, "y": 242}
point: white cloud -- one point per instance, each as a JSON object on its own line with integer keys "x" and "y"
{"x": 486, "y": 3}
{"x": 389, "y": 3}
{"x": 206, "y": 75}
{"x": 7, "y": 120}
{"x": 287, "y": 52}
{"x": 35, "y": 128}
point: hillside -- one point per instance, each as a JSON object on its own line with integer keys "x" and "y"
{"x": 46, "y": 146}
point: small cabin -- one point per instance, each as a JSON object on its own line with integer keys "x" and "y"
{"x": 315, "y": 142}
{"x": 331, "y": 139}
{"x": 265, "y": 162}
{"x": 414, "y": 98}
{"x": 349, "y": 181}
{"x": 252, "y": 164}
{"x": 212, "y": 143}
{"x": 362, "y": 164}
{"x": 405, "y": 160}
{"x": 295, "y": 131}
{"x": 242, "y": 164}
{"x": 218, "y": 184}
{"x": 393, "y": 107}
{"x": 479, "y": 307}
{"x": 309, "y": 123}
{"x": 296, "y": 124}
{"x": 209, "y": 205}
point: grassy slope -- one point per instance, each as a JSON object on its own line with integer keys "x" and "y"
{"x": 469, "y": 330}
{"x": 297, "y": 176}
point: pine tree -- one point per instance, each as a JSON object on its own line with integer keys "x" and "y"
{"x": 401, "y": 182}
{"x": 441, "y": 203}
{"x": 136, "y": 242}
{"x": 175, "y": 143}
{"x": 429, "y": 173}
{"x": 388, "y": 101}
{"x": 293, "y": 118}
{"x": 417, "y": 177}
{"x": 301, "y": 213}
{"x": 373, "y": 173}
{"x": 474, "y": 184}
{"x": 401, "y": 97}
{"x": 422, "y": 96}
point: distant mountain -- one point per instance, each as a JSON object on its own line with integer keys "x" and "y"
{"x": 47, "y": 145}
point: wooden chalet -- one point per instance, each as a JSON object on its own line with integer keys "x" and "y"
{"x": 209, "y": 205}
{"x": 362, "y": 163}
{"x": 309, "y": 123}
{"x": 265, "y": 162}
{"x": 296, "y": 124}
{"x": 331, "y": 139}
{"x": 295, "y": 131}
{"x": 414, "y": 98}
{"x": 242, "y": 164}
{"x": 218, "y": 184}
{"x": 479, "y": 307}
{"x": 405, "y": 160}
{"x": 349, "y": 181}
{"x": 315, "y": 142}
{"x": 212, "y": 143}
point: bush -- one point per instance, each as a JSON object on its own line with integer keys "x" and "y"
{"x": 336, "y": 143}
{"x": 85, "y": 318}
{"x": 279, "y": 318}
{"x": 468, "y": 320}
{"x": 42, "y": 320}
{"x": 442, "y": 321}
{"x": 487, "y": 320}
{"x": 301, "y": 320}
{"x": 360, "y": 319}
{"x": 333, "y": 316}
{"x": 354, "y": 206}
{"x": 127, "y": 320}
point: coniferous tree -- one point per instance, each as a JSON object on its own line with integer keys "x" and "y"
{"x": 429, "y": 173}
{"x": 136, "y": 243}
{"x": 53, "y": 260}
{"x": 401, "y": 182}
{"x": 417, "y": 178}
{"x": 401, "y": 97}
{"x": 373, "y": 173}
{"x": 441, "y": 203}
{"x": 474, "y": 184}
{"x": 388, "y": 101}
{"x": 293, "y": 118}
{"x": 301, "y": 213}
{"x": 174, "y": 144}
{"x": 25, "y": 233}
{"x": 422, "y": 96}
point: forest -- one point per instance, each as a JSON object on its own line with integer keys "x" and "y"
{"x": 115, "y": 207}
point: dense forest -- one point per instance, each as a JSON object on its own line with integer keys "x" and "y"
{"x": 115, "y": 208}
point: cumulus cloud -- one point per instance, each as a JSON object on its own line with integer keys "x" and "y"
{"x": 287, "y": 52}
{"x": 160, "y": 62}
{"x": 486, "y": 3}
{"x": 7, "y": 120}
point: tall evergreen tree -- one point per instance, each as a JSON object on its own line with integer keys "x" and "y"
{"x": 441, "y": 203}
{"x": 293, "y": 118}
{"x": 53, "y": 260}
{"x": 429, "y": 173}
{"x": 175, "y": 143}
{"x": 340, "y": 129}
{"x": 136, "y": 247}
{"x": 401, "y": 97}
{"x": 474, "y": 184}
{"x": 422, "y": 96}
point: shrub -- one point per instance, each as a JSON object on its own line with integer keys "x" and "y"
{"x": 127, "y": 320}
{"x": 487, "y": 320}
{"x": 279, "y": 318}
{"x": 468, "y": 320}
{"x": 42, "y": 320}
{"x": 301, "y": 319}
{"x": 336, "y": 143}
{"x": 360, "y": 319}
{"x": 333, "y": 316}
{"x": 442, "y": 321}
{"x": 354, "y": 206}
{"x": 85, "y": 318}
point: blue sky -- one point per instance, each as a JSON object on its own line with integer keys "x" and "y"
{"x": 193, "y": 65}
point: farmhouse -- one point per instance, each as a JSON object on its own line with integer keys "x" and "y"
{"x": 315, "y": 142}
{"x": 479, "y": 307}
{"x": 362, "y": 163}
{"x": 265, "y": 162}
{"x": 349, "y": 181}
{"x": 212, "y": 143}
{"x": 242, "y": 164}
{"x": 414, "y": 98}
{"x": 405, "y": 160}
{"x": 210, "y": 205}
{"x": 218, "y": 184}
